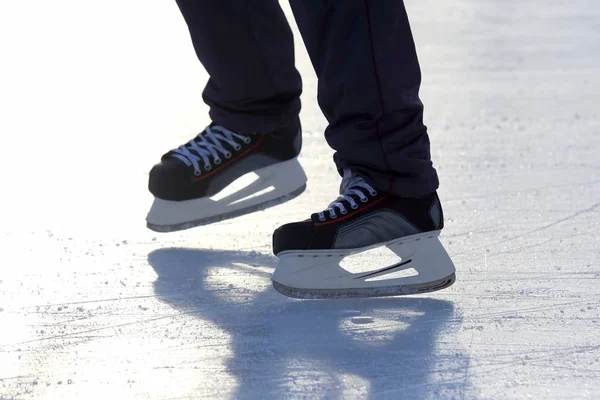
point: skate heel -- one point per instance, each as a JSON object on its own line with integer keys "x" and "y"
{"x": 425, "y": 254}
{"x": 285, "y": 177}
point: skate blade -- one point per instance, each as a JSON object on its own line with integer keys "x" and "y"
{"x": 382, "y": 291}
{"x": 318, "y": 274}
{"x": 223, "y": 217}
{"x": 268, "y": 187}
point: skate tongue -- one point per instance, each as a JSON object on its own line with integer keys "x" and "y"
{"x": 350, "y": 189}
{"x": 349, "y": 180}
{"x": 202, "y": 137}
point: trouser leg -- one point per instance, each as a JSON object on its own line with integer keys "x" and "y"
{"x": 369, "y": 78}
{"x": 247, "y": 48}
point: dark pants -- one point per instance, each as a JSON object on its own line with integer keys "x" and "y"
{"x": 366, "y": 63}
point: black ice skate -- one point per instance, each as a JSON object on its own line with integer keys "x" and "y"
{"x": 222, "y": 174}
{"x": 310, "y": 252}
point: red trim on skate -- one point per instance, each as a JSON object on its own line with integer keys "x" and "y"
{"x": 233, "y": 160}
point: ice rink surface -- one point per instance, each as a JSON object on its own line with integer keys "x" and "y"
{"x": 95, "y": 306}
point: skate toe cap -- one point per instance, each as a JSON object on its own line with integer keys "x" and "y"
{"x": 294, "y": 236}
{"x": 169, "y": 180}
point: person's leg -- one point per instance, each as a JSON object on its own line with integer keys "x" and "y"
{"x": 254, "y": 97}
{"x": 369, "y": 77}
{"x": 247, "y": 48}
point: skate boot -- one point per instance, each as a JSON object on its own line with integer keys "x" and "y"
{"x": 222, "y": 174}
{"x": 310, "y": 252}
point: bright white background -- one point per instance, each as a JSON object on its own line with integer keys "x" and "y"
{"x": 94, "y": 306}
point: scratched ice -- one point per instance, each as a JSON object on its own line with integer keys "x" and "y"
{"x": 94, "y": 306}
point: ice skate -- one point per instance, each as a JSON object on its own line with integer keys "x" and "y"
{"x": 222, "y": 174}
{"x": 310, "y": 252}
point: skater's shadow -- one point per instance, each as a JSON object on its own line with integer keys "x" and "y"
{"x": 280, "y": 348}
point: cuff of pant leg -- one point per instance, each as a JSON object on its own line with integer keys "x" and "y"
{"x": 404, "y": 187}
{"x": 252, "y": 123}
{"x": 415, "y": 189}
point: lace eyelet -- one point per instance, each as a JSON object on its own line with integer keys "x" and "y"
{"x": 364, "y": 199}
{"x": 247, "y": 140}
{"x": 322, "y": 219}
{"x": 217, "y": 161}
{"x": 344, "y": 212}
{"x": 197, "y": 172}
{"x": 354, "y": 206}
{"x": 237, "y": 147}
{"x": 373, "y": 193}
{"x": 228, "y": 154}
{"x": 207, "y": 167}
